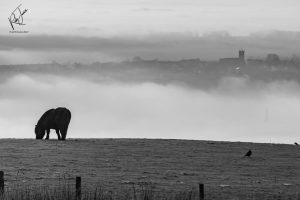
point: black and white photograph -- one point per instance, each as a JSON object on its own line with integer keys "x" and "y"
{"x": 149, "y": 100}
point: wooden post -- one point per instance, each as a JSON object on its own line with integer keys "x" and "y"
{"x": 1, "y": 182}
{"x": 201, "y": 191}
{"x": 78, "y": 188}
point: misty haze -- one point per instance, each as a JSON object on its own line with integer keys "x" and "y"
{"x": 185, "y": 99}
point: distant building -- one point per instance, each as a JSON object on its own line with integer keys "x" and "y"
{"x": 239, "y": 61}
{"x": 137, "y": 59}
{"x": 273, "y": 59}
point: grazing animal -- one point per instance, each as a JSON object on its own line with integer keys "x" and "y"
{"x": 296, "y": 143}
{"x": 249, "y": 153}
{"x": 57, "y": 119}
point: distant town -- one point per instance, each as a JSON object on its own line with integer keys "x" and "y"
{"x": 271, "y": 60}
{"x": 193, "y": 72}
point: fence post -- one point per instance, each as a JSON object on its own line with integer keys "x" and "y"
{"x": 78, "y": 188}
{"x": 201, "y": 191}
{"x": 1, "y": 182}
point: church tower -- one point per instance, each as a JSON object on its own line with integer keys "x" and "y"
{"x": 242, "y": 55}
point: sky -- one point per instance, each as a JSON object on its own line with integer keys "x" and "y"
{"x": 87, "y": 31}
{"x": 106, "y": 18}
{"x": 90, "y": 30}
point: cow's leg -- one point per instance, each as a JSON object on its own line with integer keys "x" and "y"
{"x": 58, "y": 135}
{"x": 64, "y": 132}
{"x": 48, "y": 133}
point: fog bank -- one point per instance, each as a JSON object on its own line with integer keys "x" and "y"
{"x": 236, "y": 110}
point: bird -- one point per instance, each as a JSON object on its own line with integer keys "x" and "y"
{"x": 249, "y": 153}
{"x": 296, "y": 143}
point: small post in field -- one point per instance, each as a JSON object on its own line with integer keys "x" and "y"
{"x": 78, "y": 188}
{"x": 201, "y": 191}
{"x": 1, "y": 182}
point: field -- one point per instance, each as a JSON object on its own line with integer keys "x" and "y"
{"x": 164, "y": 166}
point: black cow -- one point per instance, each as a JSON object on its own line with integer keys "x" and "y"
{"x": 57, "y": 119}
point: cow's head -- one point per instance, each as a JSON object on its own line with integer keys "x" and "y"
{"x": 39, "y": 132}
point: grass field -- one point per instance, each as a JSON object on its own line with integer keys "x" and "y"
{"x": 163, "y": 166}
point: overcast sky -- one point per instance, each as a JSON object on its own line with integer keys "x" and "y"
{"x": 138, "y": 17}
{"x": 105, "y": 30}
